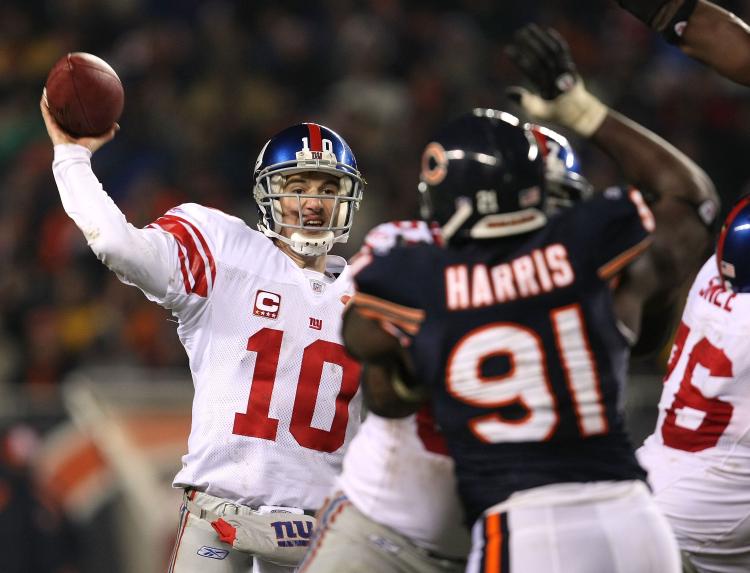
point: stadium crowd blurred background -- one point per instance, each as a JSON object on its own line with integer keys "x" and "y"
{"x": 206, "y": 83}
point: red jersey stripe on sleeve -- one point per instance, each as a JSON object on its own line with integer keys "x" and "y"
{"x": 196, "y": 262}
{"x": 183, "y": 264}
{"x": 614, "y": 266}
{"x": 184, "y": 271}
{"x": 181, "y": 229}
{"x": 204, "y": 244}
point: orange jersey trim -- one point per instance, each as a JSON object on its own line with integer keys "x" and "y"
{"x": 385, "y": 320}
{"x": 406, "y": 318}
{"x": 492, "y": 561}
{"x": 608, "y": 270}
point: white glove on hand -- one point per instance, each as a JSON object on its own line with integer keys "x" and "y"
{"x": 576, "y": 109}
{"x": 545, "y": 59}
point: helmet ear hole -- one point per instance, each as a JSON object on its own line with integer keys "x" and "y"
{"x": 277, "y": 183}
{"x": 345, "y": 189}
{"x": 342, "y": 215}
{"x": 345, "y": 185}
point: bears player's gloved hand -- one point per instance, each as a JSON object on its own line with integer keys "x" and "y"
{"x": 544, "y": 58}
{"x": 668, "y": 17}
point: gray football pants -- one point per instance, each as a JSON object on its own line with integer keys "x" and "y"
{"x": 199, "y": 550}
{"x": 347, "y": 541}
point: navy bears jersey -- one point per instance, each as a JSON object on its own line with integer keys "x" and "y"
{"x": 518, "y": 343}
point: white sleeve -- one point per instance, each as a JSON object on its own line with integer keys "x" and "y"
{"x": 146, "y": 258}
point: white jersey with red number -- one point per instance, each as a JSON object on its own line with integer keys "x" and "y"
{"x": 276, "y": 396}
{"x": 698, "y": 457}
{"x": 398, "y": 471}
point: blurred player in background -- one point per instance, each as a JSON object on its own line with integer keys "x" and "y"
{"x": 702, "y": 30}
{"x": 511, "y": 327}
{"x": 566, "y": 184}
{"x": 698, "y": 458}
{"x": 679, "y": 193}
{"x": 397, "y": 508}
{"x": 519, "y": 337}
{"x": 276, "y": 396}
{"x": 380, "y": 472}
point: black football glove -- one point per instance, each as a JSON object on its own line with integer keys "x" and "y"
{"x": 544, "y": 58}
{"x": 668, "y": 17}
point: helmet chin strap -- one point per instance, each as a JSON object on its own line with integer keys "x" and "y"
{"x": 308, "y": 246}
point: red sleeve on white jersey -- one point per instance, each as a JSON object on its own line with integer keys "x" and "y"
{"x": 385, "y": 236}
{"x": 196, "y": 260}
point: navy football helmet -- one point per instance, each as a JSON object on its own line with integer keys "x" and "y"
{"x": 483, "y": 177}
{"x": 565, "y": 184}
{"x": 733, "y": 248}
{"x": 297, "y": 149}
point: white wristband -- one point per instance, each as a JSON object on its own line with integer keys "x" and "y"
{"x": 576, "y": 109}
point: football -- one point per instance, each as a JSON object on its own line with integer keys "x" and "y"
{"x": 84, "y": 94}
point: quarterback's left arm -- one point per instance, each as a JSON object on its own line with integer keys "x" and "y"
{"x": 385, "y": 366}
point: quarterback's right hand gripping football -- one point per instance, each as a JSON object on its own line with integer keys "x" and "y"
{"x": 544, "y": 58}
{"x": 58, "y": 136}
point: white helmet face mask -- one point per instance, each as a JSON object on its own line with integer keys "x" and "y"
{"x": 315, "y": 238}
{"x": 309, "y": 239}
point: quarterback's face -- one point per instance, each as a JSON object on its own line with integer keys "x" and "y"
{"x": 307, "y": 207}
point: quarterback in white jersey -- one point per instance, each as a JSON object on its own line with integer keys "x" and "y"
{"x": 395, "y": 508}
{"x": 276, "y": 396}
{"x": 698, "y": 458}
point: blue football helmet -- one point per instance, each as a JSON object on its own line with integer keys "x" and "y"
{"x": 733, "y": 248}
{"x": 297, "y": 149}
{"x": 482, "y": 177}
{"x": 565, "y": 183}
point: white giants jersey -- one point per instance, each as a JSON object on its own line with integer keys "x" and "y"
{"x": 704, "y": 410}
{"x": 398, "y": 471}
{"x": 276, "y": 396}
{"x": 698, "y": 458}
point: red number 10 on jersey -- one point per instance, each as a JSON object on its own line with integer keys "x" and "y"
{"x": 255, "y": 422}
